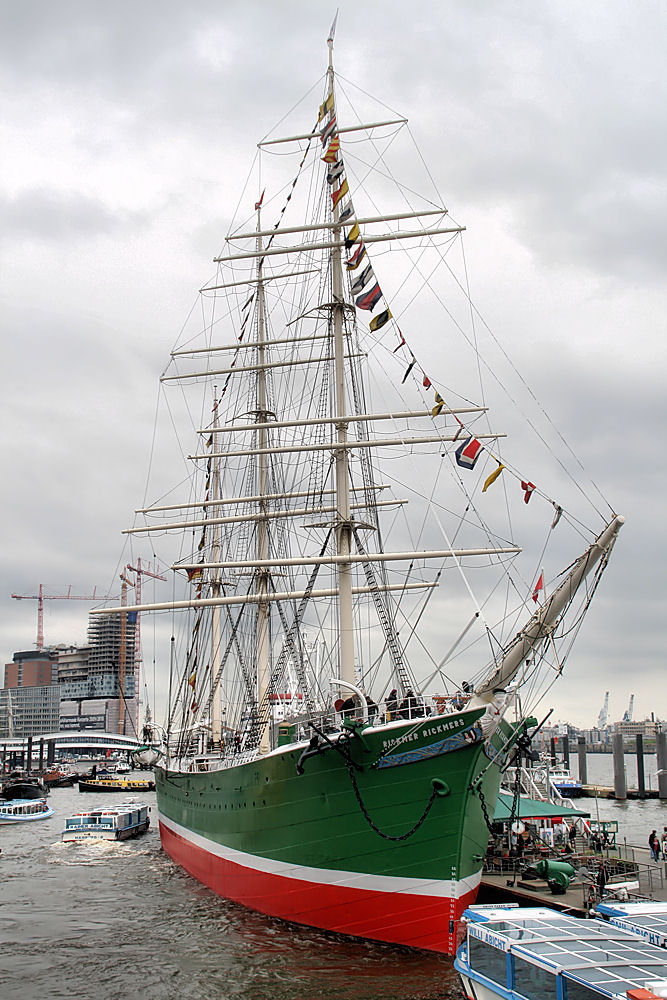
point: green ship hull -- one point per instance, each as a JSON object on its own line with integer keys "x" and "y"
{"x": 381, "y": 836}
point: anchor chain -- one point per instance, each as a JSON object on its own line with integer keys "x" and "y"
{"x": 515, "y": 801}
{"x": 366, "y": 815}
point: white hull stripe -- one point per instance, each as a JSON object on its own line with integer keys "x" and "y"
{"x": 448, "y": 889}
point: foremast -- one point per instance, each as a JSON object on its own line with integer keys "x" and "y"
{"x": 262, "y": 417}
{"x": 216, "y": 591}
{"x": 343, "y": 521}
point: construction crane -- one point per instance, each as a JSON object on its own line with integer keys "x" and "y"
{"x": 122, "y": 653}
{"x": 628, "y": 715}
{"x": 41, "y": 597}
{"x": 155, "y": 575}
{"x": 604, "y": 712}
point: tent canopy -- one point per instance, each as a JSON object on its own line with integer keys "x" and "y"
{"x": 532, "y": 809}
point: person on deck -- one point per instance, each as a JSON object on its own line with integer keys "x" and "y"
{"x": 391, "y": 704}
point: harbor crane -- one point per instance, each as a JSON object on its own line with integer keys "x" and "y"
{"x": 41, "y": 597}
{"x": 604, "y": 712}
{"x": 630, "y": 709}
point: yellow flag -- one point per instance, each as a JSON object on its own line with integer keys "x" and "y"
{"x": 352, "y": 236}
{"x": 439, "y": 403}
{"x": 326, "y": 108}
{"x": 492, "y": 478}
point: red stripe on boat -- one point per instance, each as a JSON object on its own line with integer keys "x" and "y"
{"x": 417, "y": 921}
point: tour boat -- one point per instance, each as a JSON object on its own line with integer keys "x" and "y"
{"x": 128, "y": 819}
{"x": 645, "y": 918}
{"x": 343, "y": 506}
{"x": 24, "y": 811}
{"x": 116, "y": 785}
{"x": 534, "y": 952}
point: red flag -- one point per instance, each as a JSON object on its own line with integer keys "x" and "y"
{"x": 258, "y": 204}
{"x": 539, "y": 585}
{"x": 427, "y": 382}
{"x": 528, "y": 487}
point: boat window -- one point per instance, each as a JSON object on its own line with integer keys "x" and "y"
{"x": 532, "y": 981}
{"x": 577, "y": 991}
{"x": 488, "y": 961}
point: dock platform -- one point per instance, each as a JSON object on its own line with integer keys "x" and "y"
{"x": 649, "y": 879}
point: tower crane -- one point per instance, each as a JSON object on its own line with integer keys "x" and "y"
{"x": 628, "y": 715}
{"x": 155, "y": 575}
{"x": 41, "y": 597}
{"x": 604, "y": 712}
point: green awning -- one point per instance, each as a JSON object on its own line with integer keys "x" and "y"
{"x": 532, "y": 809}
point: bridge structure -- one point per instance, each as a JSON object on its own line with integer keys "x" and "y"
{"x": 66, "y": 742}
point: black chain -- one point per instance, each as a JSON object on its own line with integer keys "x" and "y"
{"x": 364, "y": 810}
{"x": 515, "y": 801}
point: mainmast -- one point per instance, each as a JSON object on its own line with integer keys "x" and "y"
{"x": 343, "y": 522}
{"x": 261, "y": 417}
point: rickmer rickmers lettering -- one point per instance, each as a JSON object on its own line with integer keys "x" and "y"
{"x": 345, "y": 553}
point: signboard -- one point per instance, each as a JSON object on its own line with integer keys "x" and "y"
{"x": 82, "y": 722}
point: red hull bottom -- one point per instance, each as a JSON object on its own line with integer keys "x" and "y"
{"x": 414, "y": 920}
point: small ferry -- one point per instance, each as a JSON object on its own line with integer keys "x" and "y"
{"x": 24, "y": 811}
{"x": 530, "y": 952}
{"x": 647, "y": 919}
{"x": 129, "y": 819}
{"x": 110, "y": 784}
{"x": 565, "y": 782}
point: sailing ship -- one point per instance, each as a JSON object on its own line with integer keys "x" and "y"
{"x": 318, "y": 762}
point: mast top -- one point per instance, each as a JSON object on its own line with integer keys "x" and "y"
{"x": 330, "y": 41}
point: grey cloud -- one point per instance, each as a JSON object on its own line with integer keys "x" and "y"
{"x": 56, "y": 215}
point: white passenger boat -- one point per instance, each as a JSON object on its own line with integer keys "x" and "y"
{"x": 646, "y": 919}
{"x": 565, "y": 782}
{"x": 120, "y": 822}
{"x": 24, "y": 811}
{"x": 535, "y": 952}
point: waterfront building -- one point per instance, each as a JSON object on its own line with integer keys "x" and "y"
{"x": 29, "y": 709}
{"x": 75, "y": 687}
{"x": 646, "y": 727}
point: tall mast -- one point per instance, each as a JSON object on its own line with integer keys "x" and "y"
{"x": 216, "y": 590}
{"x": 261, "y": 417}
{"x": 344, "y": 525}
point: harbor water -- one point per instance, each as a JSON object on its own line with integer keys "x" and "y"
{"x": 636, "y": 817}
{"x": 117, "y": 919}
{"x": 114, "y": 918}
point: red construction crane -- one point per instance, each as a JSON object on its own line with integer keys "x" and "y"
{"x": 41, "y": 597}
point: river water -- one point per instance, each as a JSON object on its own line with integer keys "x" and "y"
{"x": 119, "y": 919}
{"x": 109, "y": 920}
{"x": 636, "y": 817}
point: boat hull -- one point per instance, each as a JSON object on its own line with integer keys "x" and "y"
{"x": 301, "y": 847}
{"x": 24, "y": 790}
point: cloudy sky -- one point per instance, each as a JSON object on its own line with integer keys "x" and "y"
{"x": 127, "y": 131}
